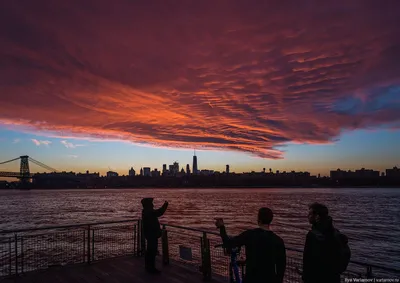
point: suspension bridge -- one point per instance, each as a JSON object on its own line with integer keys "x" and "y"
{"x": 24, "y": 173}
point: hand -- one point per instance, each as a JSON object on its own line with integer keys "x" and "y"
{"x": 219, "y": 222}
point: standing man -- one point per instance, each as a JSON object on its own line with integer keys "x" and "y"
{"x": 152, "y": 232}
{"x": 265, "y": 251}
{"x": 326, "y": 251}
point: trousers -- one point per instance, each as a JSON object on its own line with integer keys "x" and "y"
{"x": 151, "y": 253}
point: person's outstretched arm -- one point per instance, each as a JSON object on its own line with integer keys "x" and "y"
{"x": 232, "y": 242}
{"x": 160, "y": 212}
{"x": 281, "y": 261}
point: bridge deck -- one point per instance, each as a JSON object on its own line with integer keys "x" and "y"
{"x": 120, "y": 270}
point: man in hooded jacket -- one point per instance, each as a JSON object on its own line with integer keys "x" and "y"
{"x": 326, "y": 252}
{"x": 152, "y": 232}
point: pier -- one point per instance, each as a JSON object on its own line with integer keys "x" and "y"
{"x": 113, "y": 252}
{"x": 118, "y": 270}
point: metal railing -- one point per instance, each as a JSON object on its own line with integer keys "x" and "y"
{"x": 209, "y": 257}
{"x": 26, "y": 250}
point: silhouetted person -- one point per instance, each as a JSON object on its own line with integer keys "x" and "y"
{"x": 326, "y": 251}
{"x": 152, "y": 232}
{"x": 265, "y": 251}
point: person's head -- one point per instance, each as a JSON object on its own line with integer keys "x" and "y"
{"x": 317, "y": 212}
{"x": 265, "y": 216}
{"x": 147, "y": 203}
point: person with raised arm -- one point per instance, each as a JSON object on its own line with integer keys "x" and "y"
{"x": 265, "y": 251}
{"x": 152, "y": 232}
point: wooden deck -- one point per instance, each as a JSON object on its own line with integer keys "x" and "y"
{"x": 120, "y": 270}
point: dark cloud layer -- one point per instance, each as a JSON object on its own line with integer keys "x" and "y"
{"x": 246, "y": 76}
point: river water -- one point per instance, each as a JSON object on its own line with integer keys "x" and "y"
{"x": 369, "y": 217}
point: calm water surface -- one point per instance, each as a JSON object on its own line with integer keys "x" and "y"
{"x": 369, "y": 217}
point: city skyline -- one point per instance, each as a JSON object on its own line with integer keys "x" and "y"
{"x": 71, "y": 163}
{"x": 253, "y": 86}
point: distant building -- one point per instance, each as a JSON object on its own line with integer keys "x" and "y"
{"x": 206, "y": 172}
{"x": 132, "y": 172}
{"x": 393, "y": 173}
{"x": 361, "y": 174}
{"x": 187, "y": 169}
{"x": 112, "y": 174}
{"x": 194, "y": 167}
{"x": 147, "y": 171}
{"x": 155, "y": 173}
{"x": 337, "y": 174}
{"x": 175, "y": 167}
{"x": 88, "y": 175}
{"x": 141, "y": 171}
{"x": 227, "y": 169}
{"x": 164, "y": 168}
{"x": 366, "y": 173}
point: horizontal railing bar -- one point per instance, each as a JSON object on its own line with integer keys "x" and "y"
{"x": 191, "y": 229}
{"x": 65, "y": 226}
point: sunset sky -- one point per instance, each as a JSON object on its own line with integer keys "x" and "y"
{"x": 287, "y": 85}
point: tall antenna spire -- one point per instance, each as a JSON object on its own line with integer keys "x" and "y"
{"x": 194, "y": 152}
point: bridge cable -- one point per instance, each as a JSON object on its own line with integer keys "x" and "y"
{"x": 42, "y": 165}
{"x": 10, "y": 160}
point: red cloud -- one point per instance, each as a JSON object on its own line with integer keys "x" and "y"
{"x": 200, "y": 74}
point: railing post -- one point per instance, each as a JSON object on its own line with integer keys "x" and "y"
{"x": 165, "y": 248}
{"x": 9, "y": 255}
{"x": 134, "y": 240}
{"x": 16, "y": 253}
{"x": 88, "y": 244}
{"x": 142, "y": 240}
{"x": 206, "y": 257}
{"x": 93, "y": 245}
{"x": 369, "y": 272}
{"x": 138, "y": 240}
{"x": 84, "y": 246}
{"x": 22, "y": 255}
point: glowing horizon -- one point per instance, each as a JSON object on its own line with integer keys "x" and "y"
{"x": 299, "y": 87}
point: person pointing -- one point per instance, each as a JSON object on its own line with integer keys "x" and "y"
{"x": 152, "y": 232}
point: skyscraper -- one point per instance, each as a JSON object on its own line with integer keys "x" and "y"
{"x": 176, "y": 168}
{"x": 147, "y": 171}
{"x": 187, "y": 169}
{"x": 227, "y": 169}
{"x": 194, "y": 167}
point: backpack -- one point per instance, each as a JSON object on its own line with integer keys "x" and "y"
{"x": 344, "y": 252}
{"x": 338, "y": 248}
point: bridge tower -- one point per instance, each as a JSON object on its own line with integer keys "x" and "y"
{"x": 24, "y": 168}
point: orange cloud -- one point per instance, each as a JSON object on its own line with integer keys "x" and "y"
{"x": 212, "y": 75}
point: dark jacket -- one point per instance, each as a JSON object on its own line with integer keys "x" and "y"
{"x": 151, "y": 225}
{"x": 321, "y": 254}
{"x": 265, "y": 254}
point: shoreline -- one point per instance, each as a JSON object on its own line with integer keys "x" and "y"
{"x": 204, "y": 188}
